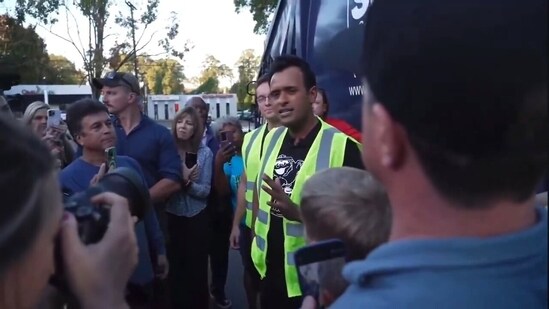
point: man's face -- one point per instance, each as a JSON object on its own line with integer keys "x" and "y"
{"x": 319, "y": 106}
{"x": 202, "y": 109}
{"x": 117, "y": 99}
{"x": 97, "y": 132}
{"x": 262, "y": 96}
{"x": 291, "y": 100}
{"x": 39, "y": 122}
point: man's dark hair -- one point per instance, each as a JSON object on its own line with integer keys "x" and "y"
{"x": 324, "y": 95}
{"x": 25, "y": 163}
{"x": 284, "y": 62}
{"x": 265, "y": 78}
{"x": 469, "y": 87}
{"x": 80, "y": 109}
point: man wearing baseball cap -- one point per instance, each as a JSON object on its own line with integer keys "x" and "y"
{"x": 455, "y": 127}
{"x": 146, "y": 141}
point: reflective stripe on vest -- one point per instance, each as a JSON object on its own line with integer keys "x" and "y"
{"x": 251, "y": 157}
{"x": 327, "y": 151}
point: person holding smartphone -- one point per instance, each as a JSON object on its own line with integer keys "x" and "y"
{"x": 186, "y": 213}
{"x": 89, "y": 122}
{"x": 53, "y": 135}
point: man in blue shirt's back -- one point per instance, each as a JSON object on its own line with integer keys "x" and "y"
{"x": 455, "y": 126}
{"x": 89, "y": 122}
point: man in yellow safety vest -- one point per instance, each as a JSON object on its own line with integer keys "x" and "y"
{"x": 241, "y": 235}
{"x": 291, "y": 154}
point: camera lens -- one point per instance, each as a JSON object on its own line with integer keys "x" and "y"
{"x": 127, "y": 183}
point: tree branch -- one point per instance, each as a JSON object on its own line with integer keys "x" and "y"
{"x": 68, "y": 11}
{"x": 66, "y": 40}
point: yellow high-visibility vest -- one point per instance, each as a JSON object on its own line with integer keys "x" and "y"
{"x": 327, "y": 150}
{"x": 251, "y": 155}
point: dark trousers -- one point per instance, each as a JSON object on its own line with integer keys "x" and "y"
{"x": 189, "y": 261}
{"x": 273, "y": 287}
{"x": 220, "y": 228}
{"x": 274, "y": 295}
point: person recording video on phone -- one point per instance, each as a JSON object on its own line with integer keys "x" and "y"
{"x": 55, "y": 136}
{"x": 89, "y": 122}
{"x": 187, "y": 216}
{"x": 31, "y": 218}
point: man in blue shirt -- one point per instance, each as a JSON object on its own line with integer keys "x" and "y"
{"x": 455, "y": 126}
{"x": 144, "y": 140}
{"x": 89, "y": 122}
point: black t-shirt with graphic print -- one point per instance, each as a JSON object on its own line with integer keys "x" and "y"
{"x": 288, "y": 163}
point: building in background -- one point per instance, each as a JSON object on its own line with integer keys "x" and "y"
{"x": 165, "y": 107}
{"x": 57, "y": 96}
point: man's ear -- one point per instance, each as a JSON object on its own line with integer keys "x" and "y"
{"x": 132, "y": 97}
{"x": 312, "y": 94}
{"x": 78, "y": 139}
{"x": 390, "y": 137}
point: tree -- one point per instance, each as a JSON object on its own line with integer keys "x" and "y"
{"x": 261, "y": 11}
{"x": 211, "y": 85}
{"x": 62, "y": 71}
{"x": 213, "y": 68}
{"x": 164, "y": 76}
{"x": 22, "y": 51}
{"x": 247, "y": 65}
{"x": 212, "y": 71}
{"x": 96, "y": 12}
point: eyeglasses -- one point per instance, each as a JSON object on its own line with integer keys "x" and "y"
{"x": 261, "y": 99}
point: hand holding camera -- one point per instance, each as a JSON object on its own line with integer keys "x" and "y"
{"x": 97, "y": 244}
{"x": 98, "y": 273}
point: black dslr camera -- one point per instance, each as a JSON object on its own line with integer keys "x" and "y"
{"x": 93, "y": 220}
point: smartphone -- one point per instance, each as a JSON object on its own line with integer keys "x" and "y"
{"x": 110, "y": 153}
{"x": 313, "y": 261}
{"x": 190, "y": 159}
{"x": 54, "y": 118}
{"x": 226, "y": 136}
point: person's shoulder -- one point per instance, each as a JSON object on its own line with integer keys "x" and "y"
{"x": 70, "y": 169}
{"x": 205, "y": 150}
{"x": 155, "y": 126}
{"x": 127, "y": 161}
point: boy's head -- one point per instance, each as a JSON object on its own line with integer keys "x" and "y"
{"x": 89, "y": 123}
{"x": 350, "y": 205}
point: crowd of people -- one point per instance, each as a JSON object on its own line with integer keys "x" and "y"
{"x": 435, "y": 200}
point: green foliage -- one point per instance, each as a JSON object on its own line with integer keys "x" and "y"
{"x": 248, "y": 65}
{"x": 214, "y": 69}
{"x": 162, "y": 76}
{"x": 42, "y": 10}
{"x": 22, "y": 51}
{"x": 261, "y": 11}
{"x": 211, "y": 85}
{"x": 61, "y": 71}
{"x": 97, "y": 13}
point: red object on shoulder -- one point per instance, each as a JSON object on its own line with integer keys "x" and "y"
{"x": 345, "y": 127}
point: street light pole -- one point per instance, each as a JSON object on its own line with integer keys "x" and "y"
{"x": 132, "y": 8}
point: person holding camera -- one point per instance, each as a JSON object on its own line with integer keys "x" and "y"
{"x": 89, "y": 122}
{"x": 31, "y": 219}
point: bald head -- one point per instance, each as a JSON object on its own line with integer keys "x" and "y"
{"x": 200, "y": 106}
